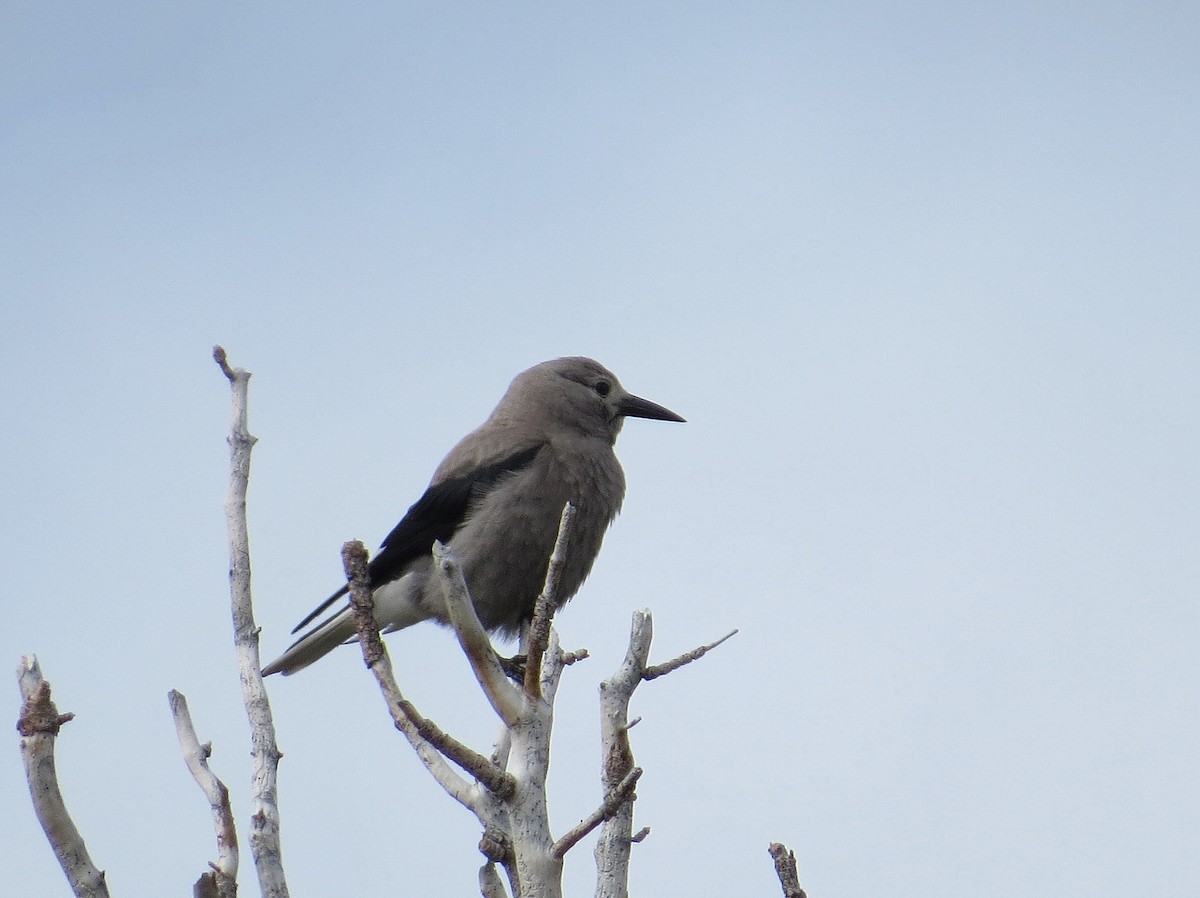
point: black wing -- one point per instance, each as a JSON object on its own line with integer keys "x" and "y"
{"x": 437, "y": 515}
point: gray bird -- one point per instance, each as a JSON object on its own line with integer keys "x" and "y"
{"x": 496, "y": 499}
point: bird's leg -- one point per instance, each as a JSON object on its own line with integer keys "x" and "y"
{"x": 514, "y": 667}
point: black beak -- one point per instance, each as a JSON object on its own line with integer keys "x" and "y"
{"x": 637, "y": 407}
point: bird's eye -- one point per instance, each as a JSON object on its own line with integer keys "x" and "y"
{"x": 602, "y": 387}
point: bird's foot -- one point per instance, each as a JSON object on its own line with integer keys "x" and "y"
{"x": 514, "y": 667}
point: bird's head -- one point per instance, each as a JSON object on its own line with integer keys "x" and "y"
{"x": 581, "y": 394}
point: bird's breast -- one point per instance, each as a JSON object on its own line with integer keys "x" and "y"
{"x": 506, "y": 542}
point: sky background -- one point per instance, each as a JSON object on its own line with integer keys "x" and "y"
{"x": 922, "y": 277}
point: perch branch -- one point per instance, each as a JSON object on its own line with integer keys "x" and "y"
{"x": 224, "y": 870}
{"x": 264, "y": 819}
{"x": 38, "y": 724}
{"x": 547, "y": 603}
{"x": 505, "y": 698}
{"x": 431, "y": 743}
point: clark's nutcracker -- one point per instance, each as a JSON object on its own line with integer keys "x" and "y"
{"x": 496, "y": 499}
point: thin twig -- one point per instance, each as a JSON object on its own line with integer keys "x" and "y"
{"x": 479, "y": 766}
{"x": 658, "y": 670}
{"x": 38, "y": 724}
{"x": 612, "y": 803}
{"x": 546, "y": 605}
{"x": 224, "y": 871}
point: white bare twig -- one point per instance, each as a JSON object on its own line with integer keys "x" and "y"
{"x": 657, "y": 670}
{"x": 264, "y": 818}
{"x": 38, "y": 724}
{"x": 225, "y": 868}
{"x": 611, "y": 804}
{"x": 538, "y": 633}
{"x": 504, "y": 697}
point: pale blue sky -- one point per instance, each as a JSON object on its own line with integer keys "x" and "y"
{"x": 922, "y": 277}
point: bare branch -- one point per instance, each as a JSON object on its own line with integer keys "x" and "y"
{"x": 785, "y": 869}
{"x": 431, "y": 743}
{"x": 362, "y": 602}
{"x": 616, "y": 835}
{"x": 490, "y": 775}
{"x": 38, "y": 724}
{"x": 264, "y": 817}
{"x": 612, "y": 803}
{"x": 614, "y": 845}
{"x": 223, "y": 876}
{"x": 504, "y": 697}
{"x": 502, "y": 747}
{"x": 547, "y": 603}
{"x": 531, "y": 865}
{"x": 658, "y": 670}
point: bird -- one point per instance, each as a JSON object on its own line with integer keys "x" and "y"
{"x": 496, "y": 500}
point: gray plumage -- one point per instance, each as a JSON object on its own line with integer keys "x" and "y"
{"x": 496, "y": 499}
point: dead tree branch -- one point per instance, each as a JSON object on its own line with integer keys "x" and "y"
{"x": 223, "y": 875}
{"x": 614, "y": 846}
{"x": 611, "y": 805}
{"x": 657, "y": 670}
{"x": 785, "y": 869}
{"x": 431, "y": 743}
{"x": 617, "y": 838}
{"x": 547, "y": 601}
{"x": 505, "y": 698}
{"x": 527, "y": 721}
{"x": 38, "y": 724}
{"x": 264, "y": 818}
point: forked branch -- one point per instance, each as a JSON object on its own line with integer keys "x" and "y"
{"x": 432, "y": 744}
